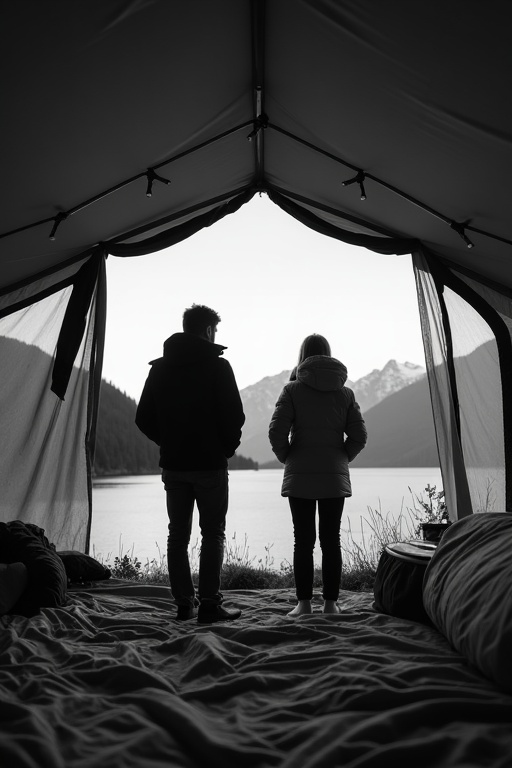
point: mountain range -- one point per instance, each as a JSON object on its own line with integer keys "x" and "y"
{"x": 395, "y": 402}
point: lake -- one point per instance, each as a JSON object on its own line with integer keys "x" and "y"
{"x": 129, "y": 513}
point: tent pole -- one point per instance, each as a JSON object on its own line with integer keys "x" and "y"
{"x": 258, "y": 76}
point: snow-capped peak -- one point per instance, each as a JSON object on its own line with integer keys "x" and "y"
{"x": 375, "y": 386}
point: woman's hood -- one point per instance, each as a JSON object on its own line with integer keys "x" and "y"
{"x": 322, "y": 372}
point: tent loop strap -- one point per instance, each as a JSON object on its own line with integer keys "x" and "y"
{"x": 151, "y": 177}
{"x": 357, "y": 179}
{"x": 460, "y": 229}
{"x": 261, "y": 122}
{"x": 59, "y": 218}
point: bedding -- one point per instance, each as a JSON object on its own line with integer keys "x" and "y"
{"x": 13, "y": 582}
{"x": 47, "y": 580}
{"x": 81, "y": 568}
{"x": 467, "y": 592}
{"x": 112, "y": 680}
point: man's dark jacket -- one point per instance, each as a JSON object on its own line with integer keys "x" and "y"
{"x": 190, "y": 405}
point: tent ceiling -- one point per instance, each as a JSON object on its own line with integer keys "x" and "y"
{"x": 94, "y": 94}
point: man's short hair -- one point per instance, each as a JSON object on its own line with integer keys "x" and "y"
{"x": 198, "y": 317}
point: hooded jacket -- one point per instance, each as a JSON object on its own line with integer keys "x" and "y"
{"x": 190, "y": 405}
{"x": 316, "y": 430}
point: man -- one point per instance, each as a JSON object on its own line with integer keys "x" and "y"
{"x": 190, "y": 406}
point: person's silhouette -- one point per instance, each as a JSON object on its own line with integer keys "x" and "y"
{"x": 191, "y": 407}
{"x": 316, "y": 429}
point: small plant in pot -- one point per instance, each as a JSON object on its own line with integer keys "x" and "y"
{"x": 432, "y": 515}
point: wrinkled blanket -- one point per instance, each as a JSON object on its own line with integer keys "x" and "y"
{"x": 112, "y": 680}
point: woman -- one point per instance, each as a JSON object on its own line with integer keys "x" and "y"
{"x": 316, "y": 429}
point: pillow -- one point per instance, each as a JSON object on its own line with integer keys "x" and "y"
{"x": 47, "y": 580}
{"x": 467, "y": 592}
{"x": 80, "y": 567}
{"x": 13, "y": 582}
{"x": 47, "y": 576}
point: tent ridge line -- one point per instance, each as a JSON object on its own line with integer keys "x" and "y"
{"x": 458, "y": 227}
{"x": 203, "y": 144}
{"x": 501, "y": 239}
{"x": 361, "y": 173}
{"x": 63, "y": 214}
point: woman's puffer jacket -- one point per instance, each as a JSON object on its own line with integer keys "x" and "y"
{"x": 316, "y": 429}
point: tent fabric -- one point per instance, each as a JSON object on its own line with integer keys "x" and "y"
{"x": 437, "y": 355}
{"x": 74, "y": 323}
{"x": 440, "y": 356}
{"x": 130, "y": 124}
{"x": 324, "y": 224}
{"x": 123, "y": 87}
{"x": 480, "y": 403}
{"x": 169, "y": 237}
{"x": 47, "y": 442}
{"x": 494, "y": 310}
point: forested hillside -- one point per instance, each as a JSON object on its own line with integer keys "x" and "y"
{"x": 121, "y": 448}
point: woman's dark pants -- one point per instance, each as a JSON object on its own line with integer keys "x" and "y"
{"x": 329, "y": 522}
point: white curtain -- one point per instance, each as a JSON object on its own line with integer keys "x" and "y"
{"x": 466, "y": 332}
{"x": 45, "y": 467}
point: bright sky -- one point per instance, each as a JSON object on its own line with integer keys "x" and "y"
{"x": 273, "y": 281}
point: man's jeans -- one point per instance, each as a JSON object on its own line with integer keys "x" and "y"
{"x": 209, "y": 489}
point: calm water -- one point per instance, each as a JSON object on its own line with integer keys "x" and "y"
{"x": 130, "y": 513}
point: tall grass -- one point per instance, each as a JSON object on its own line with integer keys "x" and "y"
{"x": 361, "y": 554}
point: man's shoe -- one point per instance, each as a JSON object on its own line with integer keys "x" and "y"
{"x": 186, "y": 612}
{"x": 211, "y": 614}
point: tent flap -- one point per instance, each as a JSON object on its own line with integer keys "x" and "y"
{"x": 45, "y": 468}
{"x": 74, "y": 323}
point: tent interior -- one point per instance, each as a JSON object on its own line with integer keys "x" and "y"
{"x": 130, "y": 125}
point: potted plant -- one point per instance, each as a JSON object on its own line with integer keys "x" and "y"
{"x": 432, "y": 515}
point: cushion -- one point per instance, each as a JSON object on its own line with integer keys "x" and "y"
{"x": 47, "y": 580}
{"x": 81, "y": 567}
{"x": 467, "y": 592}
{"x": 13, "y": 582}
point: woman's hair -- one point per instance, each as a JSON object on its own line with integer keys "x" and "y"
{"x": 314, "y": 345}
